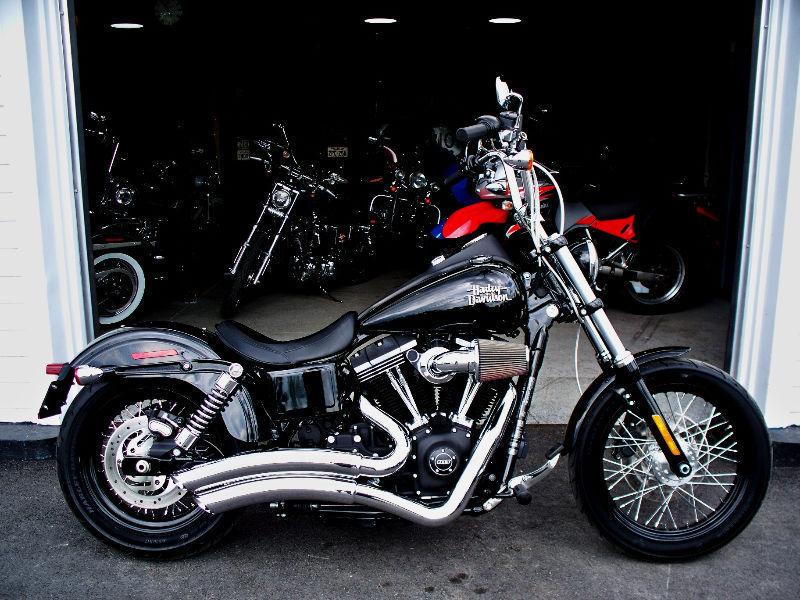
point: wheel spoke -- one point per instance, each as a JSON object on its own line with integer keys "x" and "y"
{"x": 641, "y": 485}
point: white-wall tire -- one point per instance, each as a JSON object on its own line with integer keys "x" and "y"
{"x": 135, "y": 271}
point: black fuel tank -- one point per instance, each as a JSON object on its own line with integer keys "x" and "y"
{"x": 475, "y": 289}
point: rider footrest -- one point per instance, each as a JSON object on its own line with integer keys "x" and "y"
{"x": 522, "y": 494}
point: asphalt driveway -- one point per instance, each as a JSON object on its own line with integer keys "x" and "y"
{"x": 544, "y": 550}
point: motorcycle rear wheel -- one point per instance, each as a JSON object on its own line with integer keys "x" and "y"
{"x": 144, "y": 515}
{"x": 623, "y": 485}
{"x": 669, "y": 296}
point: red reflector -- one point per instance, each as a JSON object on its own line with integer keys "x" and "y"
{"x": 54, "y": 368}
{"x": 154, "y": 354}
{"x": 113, "y": 239}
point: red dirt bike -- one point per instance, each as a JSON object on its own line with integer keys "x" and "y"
{"x": 651, "y": 273}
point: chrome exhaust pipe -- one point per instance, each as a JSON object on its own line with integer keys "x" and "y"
{"x": 344, "y": 489}
{"x": 301, "y": 460}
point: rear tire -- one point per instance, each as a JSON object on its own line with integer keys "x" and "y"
{"x": 671, "y": 296}
{"x": 115, "y": 511}
{"x": 618, "y": 498}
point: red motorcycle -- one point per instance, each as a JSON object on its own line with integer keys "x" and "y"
{"x": 652, "y": 273}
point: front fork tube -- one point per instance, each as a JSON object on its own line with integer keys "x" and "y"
{"x": 612, "y": 351}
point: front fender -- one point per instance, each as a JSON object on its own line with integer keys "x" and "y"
{"x": 600, "y": 386}
{"x": 122, "y": 349}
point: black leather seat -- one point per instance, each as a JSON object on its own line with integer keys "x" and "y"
{"x": 257, "y": 347}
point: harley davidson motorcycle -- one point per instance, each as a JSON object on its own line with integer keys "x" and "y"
{"x": 403, "y": 210}
{"x": 316, "y": 253}
{"x": 414, "y": 408}
{"x": 128, "y": 245}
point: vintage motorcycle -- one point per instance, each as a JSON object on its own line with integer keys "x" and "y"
{"x": 316, "y": 253}
{"x": 127, "y": 243}
{"x": 415, "y": 408}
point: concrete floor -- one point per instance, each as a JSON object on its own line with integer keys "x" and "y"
{"x": 544, "y": 550}
{"x": 288, "y": 315}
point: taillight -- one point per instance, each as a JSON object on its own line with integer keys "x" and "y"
{"x": 154, "y": 354}
{"x": 54, "y": 368}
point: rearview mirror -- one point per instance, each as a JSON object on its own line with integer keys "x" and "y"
{"x": 502, "y": 91}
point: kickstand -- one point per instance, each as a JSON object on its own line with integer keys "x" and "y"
{"x": 330, "y": 296}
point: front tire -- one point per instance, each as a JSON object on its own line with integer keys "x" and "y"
{"x": 146, "y": 516}
{"x": 622, "y": 483}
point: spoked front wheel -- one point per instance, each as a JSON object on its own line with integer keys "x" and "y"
{"x": 622, "y": 480}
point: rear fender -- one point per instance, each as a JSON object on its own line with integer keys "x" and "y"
{"x": 605, "y": 384}
{"x": 158, "y": 352}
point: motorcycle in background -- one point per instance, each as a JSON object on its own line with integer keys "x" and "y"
{"x": 650, "y": 268}
{"x": 128, "y": 246}
{"x": 290, "y": 228}
{"x": 404, "y": 210}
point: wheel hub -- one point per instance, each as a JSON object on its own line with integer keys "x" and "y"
{"x": 660, "y": 469}
{"x": 131, "y": 439}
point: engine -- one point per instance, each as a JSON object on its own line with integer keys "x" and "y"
{"x": 442, "y": 390}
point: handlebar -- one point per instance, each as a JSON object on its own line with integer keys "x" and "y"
{"x": 486, "y": 125}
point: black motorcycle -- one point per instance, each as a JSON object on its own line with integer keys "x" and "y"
{"x": 295, "y": 227}
{"x": 414, "y": 408}
{"x": 127, "y": 241}
{"x": 403, "y": 211}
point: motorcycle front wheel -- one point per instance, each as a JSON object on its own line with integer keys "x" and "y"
{"x": 147, "y": 515}
{"x": 622, "y": 481}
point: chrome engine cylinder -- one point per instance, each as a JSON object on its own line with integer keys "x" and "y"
{"x": 486, "y": 360}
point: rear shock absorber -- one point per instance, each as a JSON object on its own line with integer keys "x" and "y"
{"x": 213, "y": 404}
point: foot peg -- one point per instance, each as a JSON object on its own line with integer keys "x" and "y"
{"x": 521, "y": 484}
{"x": 522, "y": 494}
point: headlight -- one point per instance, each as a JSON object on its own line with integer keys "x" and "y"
{"x": 281, "y": 198}
{"x": 417, "y": 180}
{"x": 399, "y": 175}
{"x": 124, "y": 196}
{"x": 586, "y": 255}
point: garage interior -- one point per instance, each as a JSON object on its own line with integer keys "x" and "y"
{"x": 651, "y": 102}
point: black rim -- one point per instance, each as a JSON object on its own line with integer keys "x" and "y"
{"x": 644, "y": 495}
{"x": 122, "y": 507}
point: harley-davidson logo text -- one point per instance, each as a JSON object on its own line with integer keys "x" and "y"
{"x": 489, "y": 293}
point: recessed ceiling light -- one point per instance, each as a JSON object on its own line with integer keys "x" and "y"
{"x": 380, "y": 20}
{"x": 505, "y": 20}
{"x": 126, "y": 26}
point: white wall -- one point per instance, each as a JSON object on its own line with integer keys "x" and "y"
{"x": 43, "y": 273}
{"x": 766, "y": 336}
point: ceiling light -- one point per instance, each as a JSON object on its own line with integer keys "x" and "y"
{"x": 380, "y": 20}
{"x": 126, "y": 26}
{"x": 505, "y": 20}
